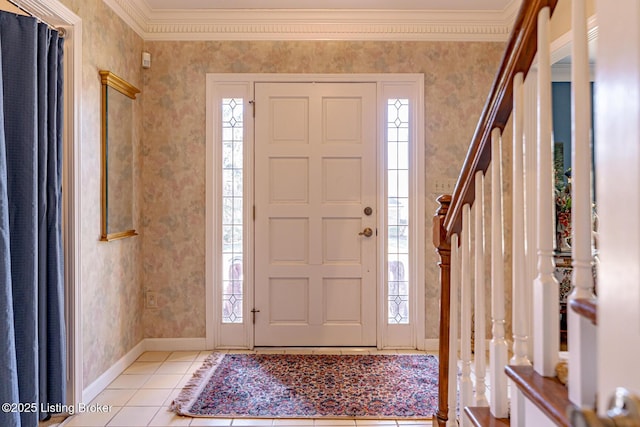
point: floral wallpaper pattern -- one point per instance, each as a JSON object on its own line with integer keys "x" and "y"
{"x": 457, "y": 80}
{"x": 110, "y": 272}
{"x": 169, "y": 157}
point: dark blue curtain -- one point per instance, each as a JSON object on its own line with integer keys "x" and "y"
{"x": 32, "y": 346}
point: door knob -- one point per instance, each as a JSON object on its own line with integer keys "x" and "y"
{"x": 367, "y": 232}
{"x": 624, "y": 411}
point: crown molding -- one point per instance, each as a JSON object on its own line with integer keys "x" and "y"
{"x": 134, "y": 13}
{"x": 561, "y": 47}
{"x": 391, "y": 25}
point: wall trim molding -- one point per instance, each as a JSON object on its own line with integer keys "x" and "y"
{"x": 147, "y": 344}
{"x": 241, "y": 334}
{"x": 54, "y": 12}
{"x": 97, "y": 386}
{"x": 175, "y": 344}
{"x": 290, "y": 24}
{"x": 561, "y": 47}
{"x": 166, "y": 344}
{"x": 431, "y": 344}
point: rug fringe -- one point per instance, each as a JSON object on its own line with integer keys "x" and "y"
{"x": 198, "y": 381}
{"x": 190, "y": 401}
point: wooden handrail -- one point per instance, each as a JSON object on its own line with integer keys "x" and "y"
{"x": 518, "y": 56}
{"x": 481, "y": 416}
{"x": 547, "y": 393}
{"x": 587, "y": 308}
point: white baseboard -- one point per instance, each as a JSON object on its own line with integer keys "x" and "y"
{"x": 91, "y": 391}
{"x": 166, "y": 344}
{"x": 147, "y": 344}
{"x": 431, "y": 344}
{"x": 175, "y": 344}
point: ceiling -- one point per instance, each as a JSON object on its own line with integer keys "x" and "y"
{"x": 456, "y": 20}
{"x": 460, "y": 5}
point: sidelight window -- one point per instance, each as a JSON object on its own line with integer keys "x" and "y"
{"x": 232, "y": 210}
{"x": 398, "y": 210}
{"x": 235, "y": 257}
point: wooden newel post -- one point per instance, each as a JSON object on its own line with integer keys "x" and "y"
{"x": 443, "y": 248}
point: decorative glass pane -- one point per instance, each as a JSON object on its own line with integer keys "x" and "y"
{"x": 232, "y": 215}
{"x": 392, "y": 183}
{"x": 403, "y": 184}
{"x": 403, "y": 155}
{"x": 398, "y": 211}
{"x": 392, "y": 154}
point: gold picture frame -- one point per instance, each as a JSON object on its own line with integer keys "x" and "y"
{"x": 117, "y": 179}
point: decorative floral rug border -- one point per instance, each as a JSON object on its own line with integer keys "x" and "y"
{"x": 273, "y": 386}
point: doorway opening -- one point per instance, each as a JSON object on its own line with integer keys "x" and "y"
{"x": 315, "y": 210}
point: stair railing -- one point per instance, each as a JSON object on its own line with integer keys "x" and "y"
{"x": 520, "y": 94}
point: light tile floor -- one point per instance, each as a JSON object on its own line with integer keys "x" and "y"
{"x": 141, "y": 396}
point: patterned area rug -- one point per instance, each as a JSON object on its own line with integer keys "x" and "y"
{"x": 312, "y": 386}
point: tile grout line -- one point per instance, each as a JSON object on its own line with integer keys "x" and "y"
{"x": 154, "y": 413}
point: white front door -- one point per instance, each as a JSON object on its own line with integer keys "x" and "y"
{"x": 315, "y": 195}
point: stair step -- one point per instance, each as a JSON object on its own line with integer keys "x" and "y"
{"x": 547, "y": 393}
{"x": 586, "y": 308}
{"x": 480, "y": 416}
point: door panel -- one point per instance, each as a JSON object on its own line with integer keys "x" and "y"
{"x": 315, "y": 275}
{"x": 288, "y": 180}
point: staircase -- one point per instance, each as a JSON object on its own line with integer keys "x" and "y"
{"x": 520, "y": 387}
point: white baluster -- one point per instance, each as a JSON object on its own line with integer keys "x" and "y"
{"x": 480, "y": 352}
{"x": 517, "y": 416}
{"x": 466, "y": 386}
{"x": 498, "y": 347}
{"x": 581, "y": 157}
{"x": 530, "y": 130}
{"x": 546, "y": 317}
{"x": 454, "y": 330}
{"x": 519, "y": 277}
{"x": 581, "y": 333}
{"x": 523, "y": 250}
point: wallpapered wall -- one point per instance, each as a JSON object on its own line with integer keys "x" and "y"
{"x": 169, "y": 157}
{"x": 457, "y": 80}
{"x": 112, "y": 306}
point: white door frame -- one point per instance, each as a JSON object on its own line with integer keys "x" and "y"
{"x": 409, "y": 86}
{"x": 72, "y": 201}
{"x": 72, "y": 25}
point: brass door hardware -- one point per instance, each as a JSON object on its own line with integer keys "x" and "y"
{"x": 367, "y": 232}
{"x": 624, "y": 411}
{"x": 254, "y": 311}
